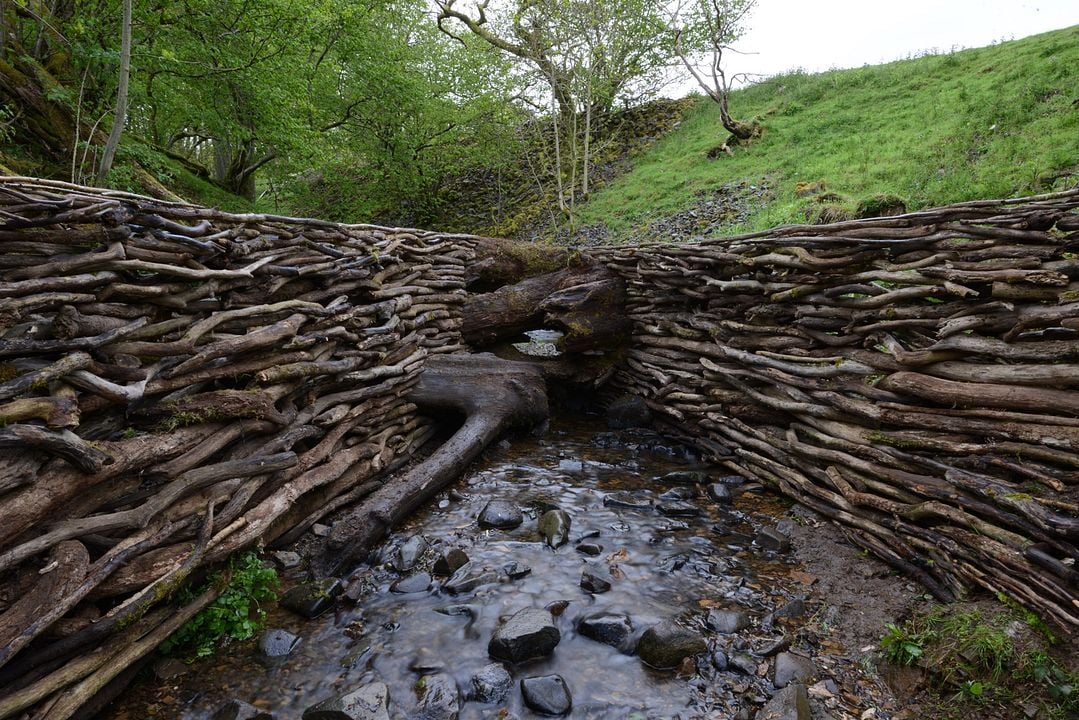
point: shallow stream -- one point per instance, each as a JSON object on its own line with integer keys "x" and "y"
{"x": 670, "y": 549}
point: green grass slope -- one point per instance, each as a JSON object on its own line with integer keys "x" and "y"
{"x": 982, "y": 123}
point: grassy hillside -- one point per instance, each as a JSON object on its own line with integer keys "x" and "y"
{"x": 987, "y": 122}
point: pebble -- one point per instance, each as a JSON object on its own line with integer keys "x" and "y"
{"x": 528, "y": 634}
{"x": 591, "y": 549}
{"x": 438, "y": 698}
{"x": 666, "y": 645}
{"x": 727, "y": 621}
{"x": 417, "y": 583}
{"x": 277, "y": 644}
{"x": 369, "y": 702}
{"x": 490, "y": 684}
{"x": 769, "y": 538}
{"x": 678, "y": 508}
{"x": 501, "y": 515}
{"x": 610, "y": 628}
{"x": 450, "y": 562}
{"x": 719, "y": 493}
{"x": 793, "y": 668}
{"x": 595, "y": 580}
{"x": 311, "y": 599}
{"x": 409, "y": 553}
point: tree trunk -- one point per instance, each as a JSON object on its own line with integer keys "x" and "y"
{"x": 120, "y": 117}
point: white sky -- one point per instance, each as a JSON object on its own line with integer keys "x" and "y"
{"x": 823, "y": 34}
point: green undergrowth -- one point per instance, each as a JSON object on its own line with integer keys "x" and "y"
{"x": 989, "y": 661}
{"x": 235, "y": 615}
{"x": 989, "y": 122}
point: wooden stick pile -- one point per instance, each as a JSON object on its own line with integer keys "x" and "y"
{"x": 178, "y": 383}
{"x": 913, "y": 378}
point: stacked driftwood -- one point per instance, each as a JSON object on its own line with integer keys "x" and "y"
{"x": 914, "y": 378}
{"x": 177, "y": 383}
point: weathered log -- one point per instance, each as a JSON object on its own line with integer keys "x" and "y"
{"x": 493, "y": 394}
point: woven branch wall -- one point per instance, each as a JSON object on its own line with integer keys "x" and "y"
{"x": 914, "y": 378}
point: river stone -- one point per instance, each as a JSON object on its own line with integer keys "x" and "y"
{"x": 416, "y": 583}
{"x": 595, "y": 580}
{"x": 529, "y": 633}
{"x": 490, "y": 684}
{"x": 628, "y": 411}
{"x": 287, "y": 559}
{"x": 627, "y": 499}
{"x": 547, "y": 694}
{"x": 667, "y": 644}
{"x": 409, "y": 553}
{"x": 239, "y": 710}
{"x": 793, "y": 668}
{"x": 726, "y": 621}
{"x": 678, "y": 493}
{"x": 554, "y": 527}
{"x": 591, "y": 549}
{"x": 720, "y": 493}
{"x": 791, "y": 703}
{"x": 515, "y": 570}
{"x": 678, "y": 508}
{"x": 450, "y": 562}
{"x": 366, "y": 703}
{"x": 743, "y": 663}
{"x": 311, "y": 599}
{"x": 467, "y": 579}
{"x": 685, "y": 477}
{"x": 277, "y": 644}
{"x": 501, "y": 514}
{"x": 439, "y": 698}
{"x": 772, "y": 539}
{"x": 459, "y": 610}
{"x": 610, "y": 628}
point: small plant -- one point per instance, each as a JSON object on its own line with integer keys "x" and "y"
{"x": 234, "y": 615}
{"x": 900, "y": 645}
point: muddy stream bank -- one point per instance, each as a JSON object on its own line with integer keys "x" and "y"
{"x": 630, "y": 579}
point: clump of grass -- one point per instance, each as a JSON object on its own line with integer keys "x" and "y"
{"x": 997, "y": 659}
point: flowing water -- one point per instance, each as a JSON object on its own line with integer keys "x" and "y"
{"x": 661, "y": 566}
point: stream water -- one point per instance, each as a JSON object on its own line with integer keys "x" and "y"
{"x": 640, "y": 516}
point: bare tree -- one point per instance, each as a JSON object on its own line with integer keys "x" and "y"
{"x": 709, "y": 28}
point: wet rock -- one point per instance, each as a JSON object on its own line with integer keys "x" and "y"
{"x": 610, "y": 628}
{"x": 554, "y": 526}
{"x": 726, "y": 621}
{"x": 311, "y": 599}
{"x": 667, "y": 644}
{"x": 529, "y": 633}
{"x": 590, "y": 549}
{"x": 627, "y": 499}
{"x": 439, "y": 698}
{"x": 719, "y": 660}
{"x": 734, "y": 480}
{"x": 793, "y": 668}
{"x": 501, "y": 515}
{"x": 794, "y": 609}
{"x": 557, "y": 607}
{"x": 515, "y": 570}
{"x": 628, "y": 411}
{"x": 277, "y": 644}
{"x": 369, "y": 702}
{"x": 685, "y": 477}
{"x": 287, "y": 559}
{"x": 490, "y": 684}
{"x": 791, "y": 703}
{"x": 720, "y": 493}
{"x": 743, "y": 663}
{"x": 417, "y": 583}
{"x": 774, "y": 646}
{"x": 547, "y": 695}
{"x": 678, "y": 493}
{"x": 595, "y": 580}
{"x": 239, "y": 710}
{"x": 409, "y": 553}
{"x": 450, "y": 562}
{"x": 468, "y": 578}
{"x": 770, "y": 538}
{"x": 426, "y": 662}
{"x": 457, "y": 610}
{"x": 678, "y": 508}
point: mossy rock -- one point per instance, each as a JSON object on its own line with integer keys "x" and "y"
{"x": 809, "y": 189}
{"x": 881, "y": 205}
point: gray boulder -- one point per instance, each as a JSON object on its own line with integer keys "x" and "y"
{"x": 667, "y": 644}
{"x": 370, "y": 702}
{"x": 528, "y": 634}
{"x": 500, "y": 514}
{"x": 547, "y": 695}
